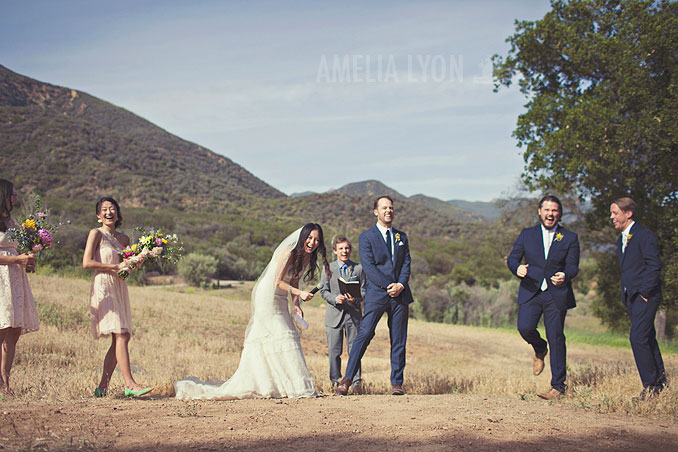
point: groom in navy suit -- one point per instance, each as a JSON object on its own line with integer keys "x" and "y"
{"x": 385, "y": 258}
{"x": 641, "y": 292}
{"x": 551, "y": 255}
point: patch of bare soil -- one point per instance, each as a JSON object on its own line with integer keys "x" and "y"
{"x": 331, "y": 423}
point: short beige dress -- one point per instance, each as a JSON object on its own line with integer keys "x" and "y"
{"x": 17, "y": 306}
{"x": 109, "y": 302}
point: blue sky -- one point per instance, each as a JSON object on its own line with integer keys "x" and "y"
{"x": 305, "y": 95}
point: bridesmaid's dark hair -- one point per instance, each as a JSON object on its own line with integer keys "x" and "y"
{"x": 117, "y": 208}
{"x": 6, "y": 190}
{"x": 298, "y": 253}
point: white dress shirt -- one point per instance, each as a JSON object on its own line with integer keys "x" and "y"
{"x": 625, "y": 236}
{"x": 547, "y": 235}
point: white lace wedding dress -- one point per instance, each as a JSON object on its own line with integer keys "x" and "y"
{"x": 272, "y": 364}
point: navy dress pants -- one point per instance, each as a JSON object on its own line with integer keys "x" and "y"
{"x": 643, "y": 338}
{"x": 397, "y": 324}
{"x": 529, "y": 314}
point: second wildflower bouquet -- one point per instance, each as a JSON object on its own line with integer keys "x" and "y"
{"x": 34, "y": 232}
{"x": 154, "y": 245}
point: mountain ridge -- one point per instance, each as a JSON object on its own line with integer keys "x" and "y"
{"x": 67, "y": 139}
{"x": 72, "y": 148}
{"x": 468, "y": 211}
{"x": 370, "y": 187}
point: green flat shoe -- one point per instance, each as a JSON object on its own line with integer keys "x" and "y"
{"x": 140, "y": 392}
{"x": 98, "y": 392}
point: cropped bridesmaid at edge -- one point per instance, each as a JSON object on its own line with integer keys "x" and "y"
{"x": 17, "y": 306}
{"x": 109, "y": 302}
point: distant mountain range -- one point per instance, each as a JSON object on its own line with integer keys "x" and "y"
{"x": 458, "y": 209}
{"x": 74, "y": 148}
{"x": 303, "y": 193}
{"x": 71, "y": 145}
{"x": 369, "y": 188}
{"x": 488, "y": 210}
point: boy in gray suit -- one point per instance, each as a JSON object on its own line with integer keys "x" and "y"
{"x": 343, "y": 312}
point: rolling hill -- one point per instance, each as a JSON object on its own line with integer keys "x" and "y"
{"x": 487, "y": 210}
{"x": 370, "y": 188}
{"x": 73, "y": 148}
{"x": 72, "y": 145}
{"x": 446, "y": 208}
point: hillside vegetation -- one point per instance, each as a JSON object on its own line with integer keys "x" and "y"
{"x": 72, "y": 145}
{"x": 73, "y": 148}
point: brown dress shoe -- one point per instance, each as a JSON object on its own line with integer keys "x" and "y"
{"x": 552, "y": 394}
{"x": 397, "y": 390}
{"x": 344, "y": 384}
{"x": 538, "y": 362}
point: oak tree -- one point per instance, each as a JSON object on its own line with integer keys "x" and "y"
{"x": 601, "y": 80}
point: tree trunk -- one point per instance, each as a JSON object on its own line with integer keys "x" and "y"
{"x": 660, "y": 324}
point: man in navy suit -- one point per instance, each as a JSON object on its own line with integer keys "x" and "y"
{"x": 551, "y": 255}
{"x": 385, "y": 258}
{"x": 641, "y": 292}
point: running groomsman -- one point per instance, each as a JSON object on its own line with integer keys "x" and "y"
{"x": 551, "y": 255}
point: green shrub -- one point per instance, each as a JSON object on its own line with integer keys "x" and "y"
{"x": 62, "y": 317}
{"x": 197, "y": 269}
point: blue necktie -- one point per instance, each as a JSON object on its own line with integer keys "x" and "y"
{"x": 343, "y": 271}
{"x": 388, "y": 243}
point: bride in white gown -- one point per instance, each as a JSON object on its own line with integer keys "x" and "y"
{"x": 272, "y": 364}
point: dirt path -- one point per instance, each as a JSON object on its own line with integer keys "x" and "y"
{"x": 359, "y": 423}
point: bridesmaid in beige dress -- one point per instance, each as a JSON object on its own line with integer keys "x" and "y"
{"x": 17, "y": 306}
{"x": 109, "y": 301}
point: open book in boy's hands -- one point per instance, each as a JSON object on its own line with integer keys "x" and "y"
{"x": 350, "y": 287}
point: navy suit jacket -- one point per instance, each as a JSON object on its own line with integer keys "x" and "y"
{"x": 563, "y": 257}
{"x": 380, "y": 270}
{"x": 640, "y": 264}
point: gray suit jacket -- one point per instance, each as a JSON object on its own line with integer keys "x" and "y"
{"x": 334, "y": 313}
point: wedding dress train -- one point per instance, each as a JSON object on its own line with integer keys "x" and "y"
{"x": 272, "y": 364}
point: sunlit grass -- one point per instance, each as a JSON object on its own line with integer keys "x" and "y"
{"x": 603, "y": 338}
{"x": 181, "y": 332}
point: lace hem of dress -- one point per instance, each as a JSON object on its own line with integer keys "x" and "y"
{"x": 276, "y": 343}
{"x": 108, "y": 332}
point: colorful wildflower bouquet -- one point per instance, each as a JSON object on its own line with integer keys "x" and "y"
{"x": 34, "y": 232}
{"x": 154, "y": 246}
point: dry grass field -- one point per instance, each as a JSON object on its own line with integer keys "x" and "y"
{"x": 181, "y": 332}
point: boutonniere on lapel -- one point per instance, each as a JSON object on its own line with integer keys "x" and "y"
{"x": 558, "y": 237}
{"x": 628, "y": 239}
{"x": 397, "y": 237}
{"x": 350, "y": 269}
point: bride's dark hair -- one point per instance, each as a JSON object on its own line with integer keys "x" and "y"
{"x": 298, "y": 253}
{"x": 6, "y": 189}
